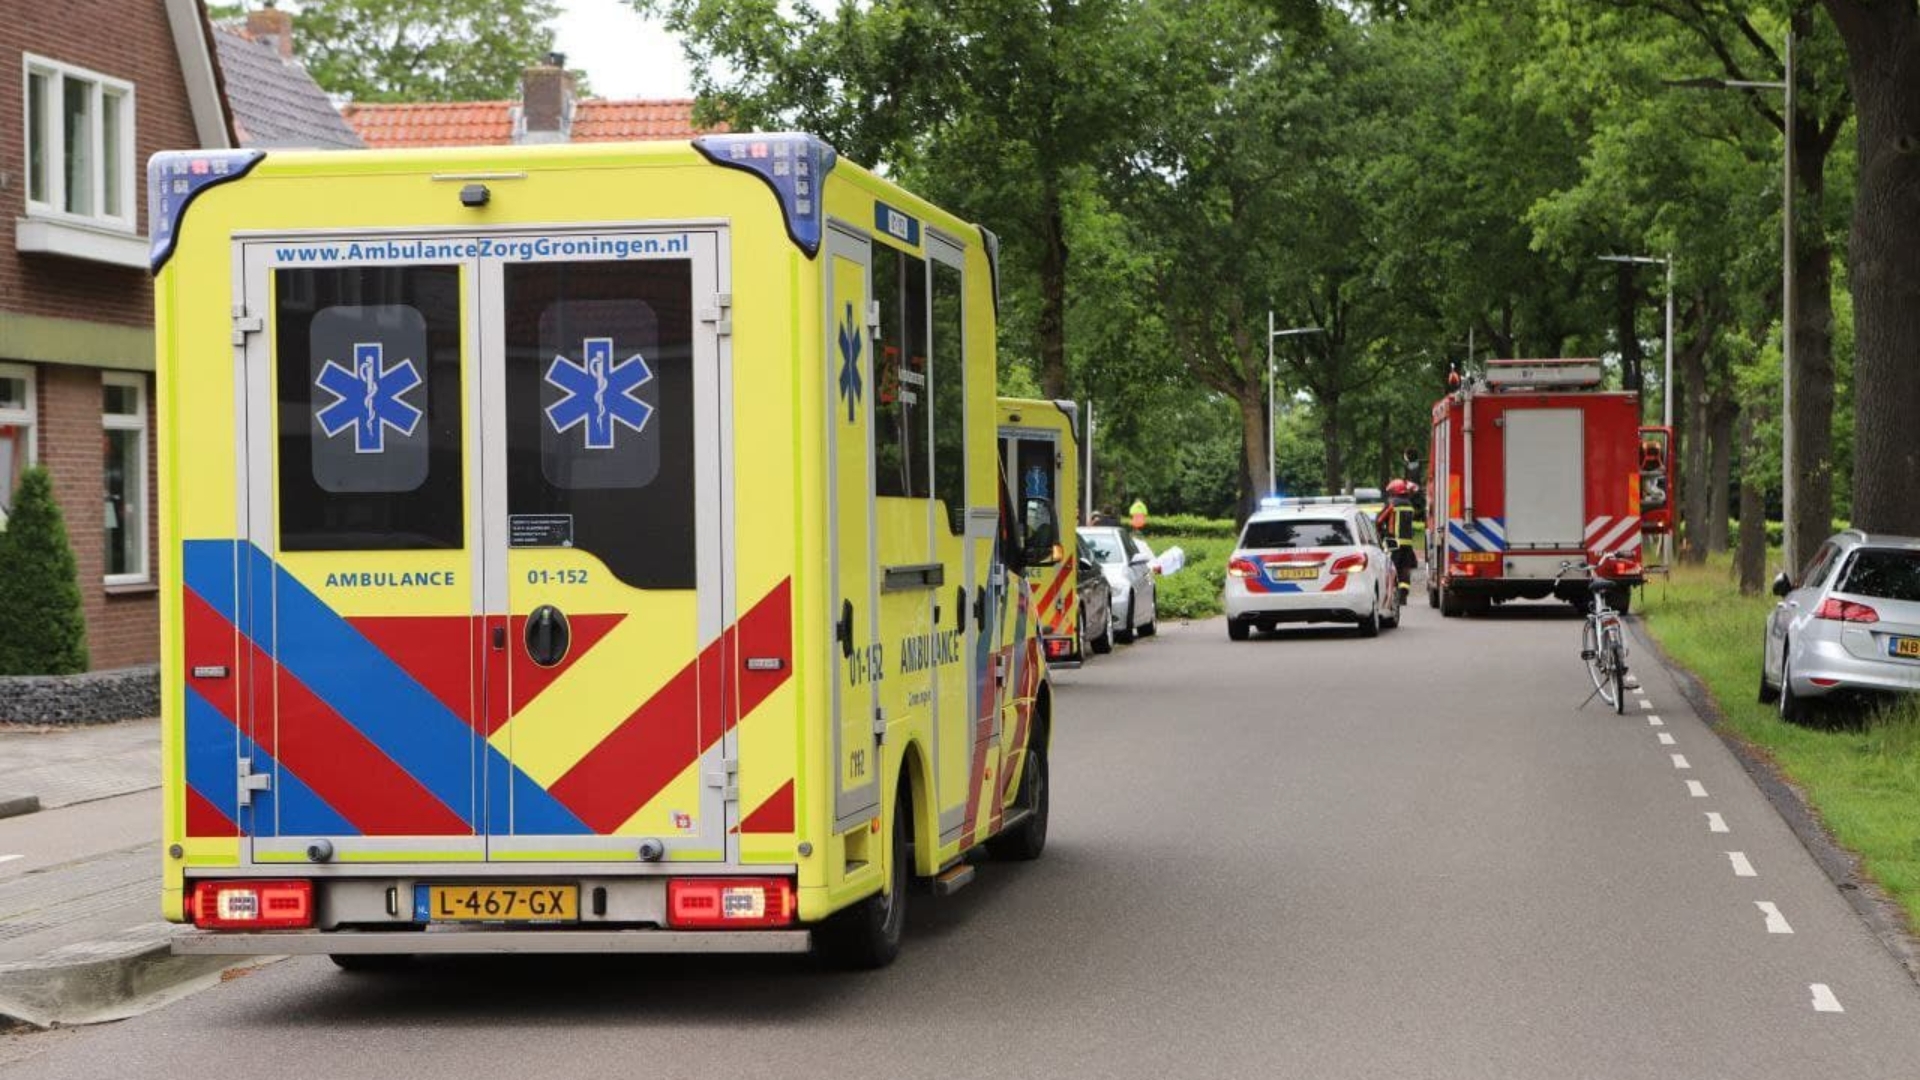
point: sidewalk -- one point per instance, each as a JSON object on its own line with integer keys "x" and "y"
{"x": 80, "y": 935}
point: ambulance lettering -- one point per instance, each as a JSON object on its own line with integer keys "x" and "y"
{"x": 599, "y": 393}
{"x": 369, "y": 399}
{"x": 922, "y": 652}
{"x": 867, "y": 665}
{"x": 378, "y": 579}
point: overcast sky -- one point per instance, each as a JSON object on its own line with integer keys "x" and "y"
{"x": 623, "y": 55}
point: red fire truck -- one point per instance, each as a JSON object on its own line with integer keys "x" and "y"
{"x": 1534, "y": 465}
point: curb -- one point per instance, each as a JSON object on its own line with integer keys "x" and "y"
{"x": 16, "y": 805}
{"x": 1885, "y": 919}
{"x": 123, "y": 975}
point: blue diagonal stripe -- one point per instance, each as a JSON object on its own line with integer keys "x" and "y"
{"x": 214, "y": 747}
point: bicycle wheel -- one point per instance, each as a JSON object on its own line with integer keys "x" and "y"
{"x": 1617, "y": 670}
{"x": 1591, "y": 650}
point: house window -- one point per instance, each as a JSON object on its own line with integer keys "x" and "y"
{"x": 123, "y": 413}
{"x": 17, "y": 448}
{"x": 79, "y": 145}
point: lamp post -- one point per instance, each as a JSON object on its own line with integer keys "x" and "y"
{"x": 1785, "y": 85}
{"x": 1666, "y": 385}
{"x": 1273, "y": 470}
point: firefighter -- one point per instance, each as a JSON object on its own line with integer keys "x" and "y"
{"x": 1396, "y": 522}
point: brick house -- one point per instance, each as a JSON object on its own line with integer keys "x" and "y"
{"x": 80, "y": 112}
{"x": 547, "y": 112}
{"x": 274, "y": 102}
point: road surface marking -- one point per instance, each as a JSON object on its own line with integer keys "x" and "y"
{"x": 10, "y": 858}
{"x": 1823, "y": 999}
{"x": 1655, "y": 721}
{"x": 1696, "y": 789}
{"x": 1680, "y": 761}
{"x": 1647, "y": 705}
{"x": 1715, "y": 823}
{"x": 1776, "y": 922}
{"x": 1741, "y": 867}
{"x": 1665, "y": 739}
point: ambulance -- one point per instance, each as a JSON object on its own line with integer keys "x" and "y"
{"x": 1040, "y": 455}
{"x": 587, "y": 548}
{"x": 1533, "y": 465}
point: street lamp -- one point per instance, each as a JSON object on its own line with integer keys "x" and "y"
{"x": 1666, "y": 387}
{"x": 1787, "y": 551}
{"x": 1273, "y": 469}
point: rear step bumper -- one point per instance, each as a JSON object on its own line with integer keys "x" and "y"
{"x": 452, "y": 942}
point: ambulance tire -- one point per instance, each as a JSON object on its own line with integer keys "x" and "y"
{"x": 1025, "y": 841}
{"x": 867, "y": 935}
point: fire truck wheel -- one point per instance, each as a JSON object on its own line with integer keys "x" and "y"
{"x": 1025, "y": 841}
{"x": 867, "y": 935}
{"x": 1621, "y": 599}
{"x": 371, "y": 961}
{"x": 1451, "y": 606}
{"x": 1433, "y": 595}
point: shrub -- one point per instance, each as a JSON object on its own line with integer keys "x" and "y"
{"x": 42, "y": 630}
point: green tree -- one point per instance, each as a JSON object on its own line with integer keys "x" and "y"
{"x": 42, "y": 629}
{"x": 403, "y": 50}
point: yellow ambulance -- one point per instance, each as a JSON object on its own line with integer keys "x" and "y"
{"x": 1040, "y": 455}
{"x": 583, "y": 548}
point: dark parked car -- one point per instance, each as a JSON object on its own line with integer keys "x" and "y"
{"x": 1096, "y": 604}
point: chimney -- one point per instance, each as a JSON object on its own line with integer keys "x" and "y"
{"x": 546, "y": 101}
{"x": 271, "y": 26}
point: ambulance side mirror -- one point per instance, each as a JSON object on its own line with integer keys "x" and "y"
{"x": 1041, "y": 545}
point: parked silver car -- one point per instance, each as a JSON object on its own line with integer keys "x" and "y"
{"x": 1128, "y": 568}
{"x": 1850, "y": 625}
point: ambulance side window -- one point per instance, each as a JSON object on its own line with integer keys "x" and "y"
{"x": 900, "y": 375}
{"x": 949, "y": 396}
{"x": 368, "y": 366}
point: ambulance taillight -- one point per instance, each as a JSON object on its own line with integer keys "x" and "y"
{"x": 252, "y": 905}
{"x": 705, "y": 903}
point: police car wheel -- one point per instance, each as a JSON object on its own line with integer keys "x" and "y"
{"x": 1370, "y": 626}
{"x": 1238, "y": 630}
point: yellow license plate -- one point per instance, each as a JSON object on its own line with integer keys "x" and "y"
{"x": 1904, "y": 646}
{"x": 1477, "y": 557}
{"x": 501, "y": 903}
{"x": 1295, "y": 573}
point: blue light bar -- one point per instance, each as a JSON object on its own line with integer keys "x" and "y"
{"x": 175, "y": 178}
{"x": 794, "y": 165}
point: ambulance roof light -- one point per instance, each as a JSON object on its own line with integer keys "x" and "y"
{"x": 174, "y": 179}
{"x": 793, "y": 164}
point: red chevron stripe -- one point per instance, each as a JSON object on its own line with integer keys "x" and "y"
{"x": 205, "y": 819}
{"x": 1045, "y": 606}
{"x": 671, "y": 729}
{"x": 328, "y": 754}
{"x": 773, "y": 816}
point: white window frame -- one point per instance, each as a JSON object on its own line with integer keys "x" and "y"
{"x": 54, "y": 206}
{"x": 137, "y": 422}
{"x": 27, "y": 416}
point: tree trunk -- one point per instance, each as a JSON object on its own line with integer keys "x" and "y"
{"x": 1256, "y": 472}
{"x": 1330, "y": 436}
{"x": 1053, "y": 294}
{"x": 1695, "y": 506}
{"x": 1626, "y": 329}
{"x": 1752, "y": 558}
{"x": 1722, "y": 413}
{"x": 1883, "y": 71}
{"x": 1812, "y": 376}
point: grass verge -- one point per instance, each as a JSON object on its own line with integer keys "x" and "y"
{"x": 1860, "y": 773}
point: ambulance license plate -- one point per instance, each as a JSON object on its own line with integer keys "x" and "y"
{"x": 497, "y": 903}
{"x": 1908, "y": 647}
{"x": 1295, "y": 573}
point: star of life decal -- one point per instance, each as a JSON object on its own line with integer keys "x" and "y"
{"x": 599, "y": 393}
{"x": 369, "y": 399}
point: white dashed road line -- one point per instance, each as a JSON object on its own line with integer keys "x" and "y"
{"x": 1741, "y": 867}
{"x": 1647, "y": 705}
{"x": 1823, "y": 999}
{"x": 1715, "y": 823}
{"x": 1776, "y": 922}
{"x": 10, "y": 858}
{"x": 1655, "y": 721}
{"x": 1680, "y": 762}
{"x": 1696, "y": 789}
{"x": 1665, "y": 739}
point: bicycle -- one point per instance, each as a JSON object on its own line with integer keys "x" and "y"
{"x": 1603, "y": 641}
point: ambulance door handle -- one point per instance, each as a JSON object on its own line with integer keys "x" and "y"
{"x": 499, "y": 638}
{"x": 843, "y": 630}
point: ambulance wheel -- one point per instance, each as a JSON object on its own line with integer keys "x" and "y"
{"x": 867, "y": 935}
{"x": 1238, "y": 630}
{"x": 1025, "y": 841}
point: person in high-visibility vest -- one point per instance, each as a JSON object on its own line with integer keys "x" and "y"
{"x": 1395, "y": 521}
{"x": 1138, "y": 511}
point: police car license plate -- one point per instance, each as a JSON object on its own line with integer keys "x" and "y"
{"x": 1908, "y": 647}
{"x": 1294, "y": 573}
{"x": 499, "y": 903}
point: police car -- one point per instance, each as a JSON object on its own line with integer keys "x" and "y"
{"x": 1310, "y": 560}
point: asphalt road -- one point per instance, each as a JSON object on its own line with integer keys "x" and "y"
{"x": 1309, "y": 855}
